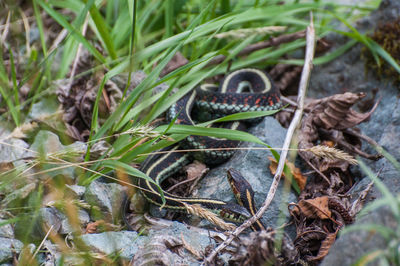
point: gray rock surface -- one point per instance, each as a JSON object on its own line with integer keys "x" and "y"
{"x": 50, "y": 216}
{"x": 14, "y": 151}
{"x": 46, "y": 142}
{"x": 253, "y": 164}
{"x": 151, "y": 248}
{"x": 352, "y": 246}
{"x": 108, "y": 197}
{"x": 154, "y": 249}
{"x": 66, "y": 227}
{"x": 76, "y": 191}
{"x": 8, "y": 247}
{"x": 6, "y": 230}
{"x": 126, "y": 242}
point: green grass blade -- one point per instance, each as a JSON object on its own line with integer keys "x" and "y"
{"x": 241, "y": 116}
{"x": 384, "y": 231}
{"x": 389, "y": 157}
{"x": 385, "y": 55}
{"x": 39, "y": 22}
{"x": 391, "y": 200}
{"x": 14, "y": 79}
{"x": 112, "y": 164}
{"x": 325, "y": 58}
{"x": 103, "y": 30}
{"x": 168, "y": 17}
{"x": 211, "y": 132}
{"x": 367, "y": 259}
{"x": 64, "y": 23}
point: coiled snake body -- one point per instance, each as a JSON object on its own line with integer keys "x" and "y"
{"x": 241, "y": 91}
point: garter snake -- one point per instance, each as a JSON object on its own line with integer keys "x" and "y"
{"x": 241, "y": 91}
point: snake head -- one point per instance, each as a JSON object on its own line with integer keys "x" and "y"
{"x": 239, "y": 185}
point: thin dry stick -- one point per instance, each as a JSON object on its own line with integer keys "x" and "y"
{"x": 27, "y": 32}
{"x": 6, "y": 29}
{"x": 78, "y": 53}
{"x": 357, "y": 204}
{"x": 41, "y": 244}
{"x": 305, "y": 76}
{"x": 60, "y": 37}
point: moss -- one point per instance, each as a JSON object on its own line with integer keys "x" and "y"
{"x": 388, "y": 36}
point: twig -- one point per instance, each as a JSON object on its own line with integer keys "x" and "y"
{"x": 350, "y": 147}
{"x": 6, "y": 29}
{"x": 357, "y": 204}
{"x": 78, "y": 54}
{"x": 361, "y": 136}
{"x": 305, "y": 76}
{"x": 287, "y": 100}
{"x": 316, "y": 169}
{"x": 41, "y": 244}
{"x": 181, "y": 183}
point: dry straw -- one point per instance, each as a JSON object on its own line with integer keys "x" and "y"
{"x": 145, "y": 131}
{"x": 331, "y": 153}
{"x": 197, "y": 210}
{"x": 243, "y": 33}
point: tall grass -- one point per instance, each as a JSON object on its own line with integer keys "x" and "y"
{"x": 145, "y": 35}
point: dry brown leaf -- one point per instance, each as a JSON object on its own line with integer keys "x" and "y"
{"x": 177, "y": 61}
{"x": 91, "y": 228}
{"x": 315, "y": 208}
{"x": 301, "y": 180}
{"x": 335, "y": 112}
{"x": 325, "y": 246}
{"x": 6, "y": 166}
{"x": 100, "y": 226}
{"x": 327, "y": 118}
{"x": 195, "y": 170}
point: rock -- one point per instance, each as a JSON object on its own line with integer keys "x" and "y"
{"x": 253, "y": 164}
{"x": 76, "y": 191}
{"x": 108, "y": 197}
{"x": 66, "y": 228}
{"x": 45, "y": 108}
{"x": 46, "y": 143}
{"x": 8, "y": 247}
{"x": 126, "y": 242}
{"x": 50, "y": 217}
{"x": 6, "y": 230}
{"x": 163, "y": 245}
{"x": 18, "y": 194}
{"x": 14, "y": 151}
{"x": 350, "y": 247}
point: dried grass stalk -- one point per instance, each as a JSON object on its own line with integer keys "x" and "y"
{"x": 197, "y": 210}
{"x": 243, "y": 33}
{"x": 331, "y": 153}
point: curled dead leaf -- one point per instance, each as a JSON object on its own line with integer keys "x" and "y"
{"x": 315, "y": 208}
{"x": 100, "y": 226}
{"x": 301, "y": 180}
{"x": 325, "y": 246}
